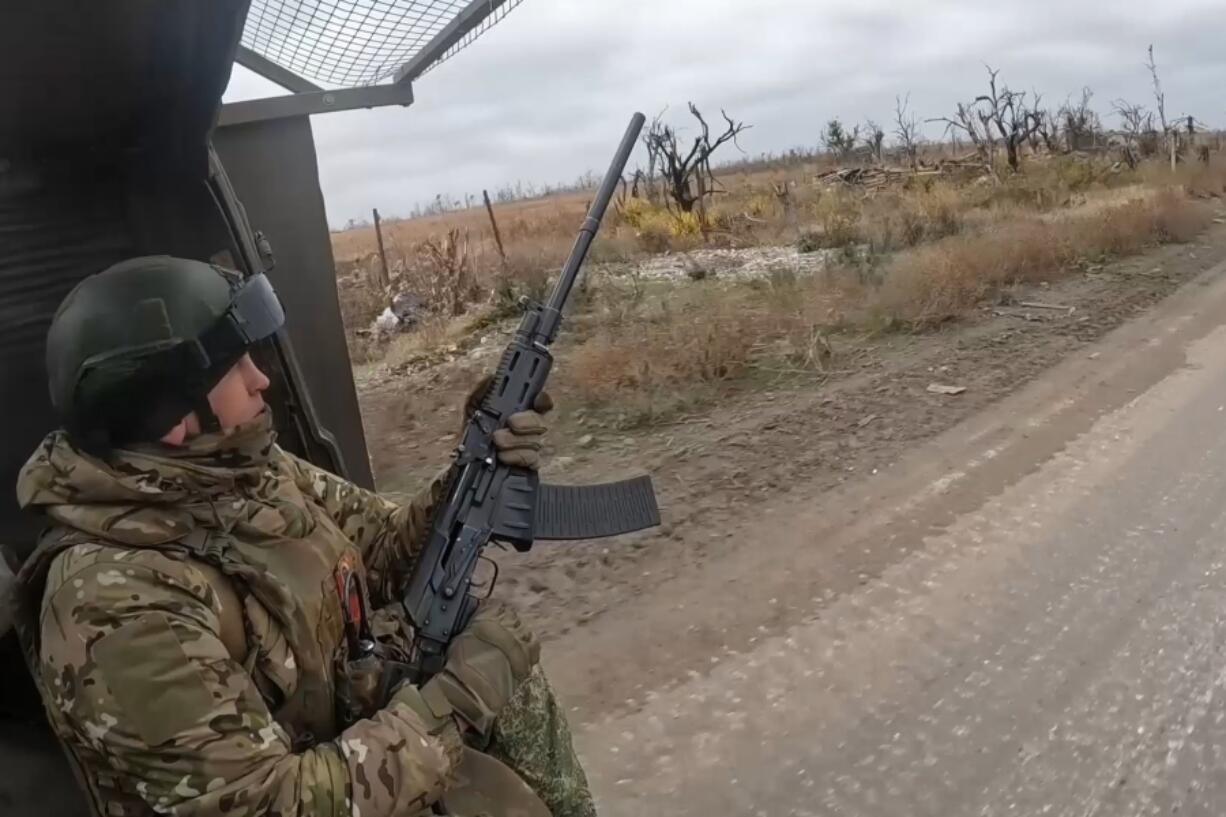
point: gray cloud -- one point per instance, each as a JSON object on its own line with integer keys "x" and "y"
{"x": 544, "y": 96}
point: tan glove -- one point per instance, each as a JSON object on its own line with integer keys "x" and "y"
{"x": 431, "y": 705}
{"x": 486, "y": 663}
{"x": 518, "y": 444}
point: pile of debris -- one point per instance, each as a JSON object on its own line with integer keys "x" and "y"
{"x": 878, "y": 176}
{"x": 402, "y": 315}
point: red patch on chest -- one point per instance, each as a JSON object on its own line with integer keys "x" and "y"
{"x": 351, "y": 591}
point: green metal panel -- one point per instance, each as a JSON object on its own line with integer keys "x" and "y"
{"x": 272, "y": 166}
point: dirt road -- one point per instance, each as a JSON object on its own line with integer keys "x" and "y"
{"x": 1043, "y": 633}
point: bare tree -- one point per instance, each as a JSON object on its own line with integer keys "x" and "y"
{"x": 1136, "y": 124}
{"x": 906, "y": 130}
{"x": 1014, "y": 121}
{"x": 1159, "y": 96}
{"x": 1001, "y": 114}
{"x": 973, "y": 122}
{"x": 966, "y": 122}
{"x": 1048, "y": 132}
{"x": 688, "y": 177}
{"x": 874, "y": 139}
{"x": 1170, "y": 131}
{"x": 1078, "y": 121}
{"x": 653, "y": 159}
{"x": 640, "y": 187}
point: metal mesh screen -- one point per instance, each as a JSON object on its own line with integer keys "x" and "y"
{"x": 345, "y": 43}
{"x": 493, "y": 18}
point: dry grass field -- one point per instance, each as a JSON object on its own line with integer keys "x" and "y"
{"x": 904, "y": 256}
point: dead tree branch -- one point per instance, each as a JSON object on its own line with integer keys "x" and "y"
{"x": 1079, "y": 123}
{"x": 1015, "y": 122}
{"x": 1136, "y": 128}
{"x": 653, "y": 158}
{"x": 687, "y": 173}
{"x": 968, "y": 120}
{"x": 906, "y": 130}
{"x": 874, "y": 140}
{"x": 1048, "y": 132}
{"x": 1159, "y": 96}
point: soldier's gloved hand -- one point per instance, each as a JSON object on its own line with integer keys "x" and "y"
{"x": 430, "y": 703}
{"x": 486, "y": 663}
{"x": 520, "y": 442}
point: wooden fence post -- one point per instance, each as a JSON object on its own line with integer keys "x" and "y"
{"x": 489, "y": 208}
{"x": 384, "y": 277}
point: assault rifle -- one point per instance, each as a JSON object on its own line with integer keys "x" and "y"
{"x": 486, "y": 501}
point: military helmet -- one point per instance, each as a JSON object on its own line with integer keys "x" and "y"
{"x": 135, "y": 348}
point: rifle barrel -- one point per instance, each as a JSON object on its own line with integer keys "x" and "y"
{"x": 561, "y": 291}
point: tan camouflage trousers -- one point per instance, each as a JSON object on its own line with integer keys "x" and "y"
{"x": 532, "y": 737}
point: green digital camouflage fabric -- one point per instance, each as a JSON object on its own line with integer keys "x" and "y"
{"x": 532, "y": 737}
{"x": 125, "y": 629}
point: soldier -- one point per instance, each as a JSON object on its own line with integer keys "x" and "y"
{"x": 207, "y": 616}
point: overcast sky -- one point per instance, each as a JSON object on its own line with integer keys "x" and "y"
{"x": 545, "y": 95}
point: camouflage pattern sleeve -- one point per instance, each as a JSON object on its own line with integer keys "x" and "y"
{"x": 140, "y": 680}
{"x": 390, "y": 536}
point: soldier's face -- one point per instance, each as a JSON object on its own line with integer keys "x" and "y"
{"x": 236, "y": 399}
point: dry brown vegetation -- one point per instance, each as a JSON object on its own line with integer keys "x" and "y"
{"x": 907, "y": 257}
{"x": 940, "y": 281}
{"x": 674, "y": 350}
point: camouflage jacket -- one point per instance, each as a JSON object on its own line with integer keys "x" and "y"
{"x": 124, "y": 623}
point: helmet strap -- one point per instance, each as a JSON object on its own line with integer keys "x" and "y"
{"x": 209, "y": 424}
